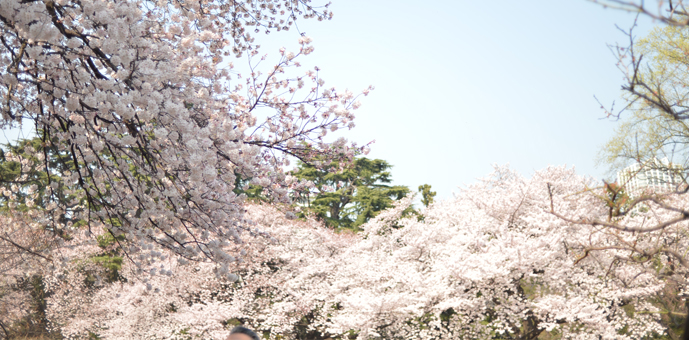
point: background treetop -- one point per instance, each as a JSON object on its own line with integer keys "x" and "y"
{"x": 348, "y": 197}
{"x": 655, "y": 126}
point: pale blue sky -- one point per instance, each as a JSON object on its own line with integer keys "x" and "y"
{"x": 461, "y": 85}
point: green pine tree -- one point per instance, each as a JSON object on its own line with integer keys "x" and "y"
{"x": 44, "y": 176}
{"x": 347, "y": 198}
{"x": 427, "y": 196}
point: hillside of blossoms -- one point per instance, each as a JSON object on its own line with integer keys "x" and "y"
{"x": 180, "y": 180}
{"x": 494, "y": 261}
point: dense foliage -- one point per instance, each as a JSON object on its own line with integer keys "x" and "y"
{"x": 507, "y": 258}
{"x": 348, "y": 197}
{"x": 653, "y": 127}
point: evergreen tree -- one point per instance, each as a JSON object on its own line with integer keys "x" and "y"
{"x": 427, "y": 196}
{"x": 26, "y": 180}
{"x": 349, "y": 197}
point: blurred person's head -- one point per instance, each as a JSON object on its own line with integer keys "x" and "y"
{"x": 242, "y": 333}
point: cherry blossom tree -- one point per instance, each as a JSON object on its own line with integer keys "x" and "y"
{"x": 654, "y": 70}
{"x": 189, "y": 300}
{"x": 495, "y": 262}
{"x": 143, "y": 100}
{"x": 29, "y": 254}
{"x": 21, "y": 249}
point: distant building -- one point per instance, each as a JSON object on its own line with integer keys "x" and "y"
{"x": 656, "y": 175}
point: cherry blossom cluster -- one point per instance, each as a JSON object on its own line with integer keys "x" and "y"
{"x": 32, "y": 256}
{"x": 191, "y": 297}
{"x": 144, "y": 103}
{"x": 494, "y": 260}
{"x": 508, "y": 255}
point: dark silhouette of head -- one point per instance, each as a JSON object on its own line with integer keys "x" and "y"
{"x": 244, "y": 331}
